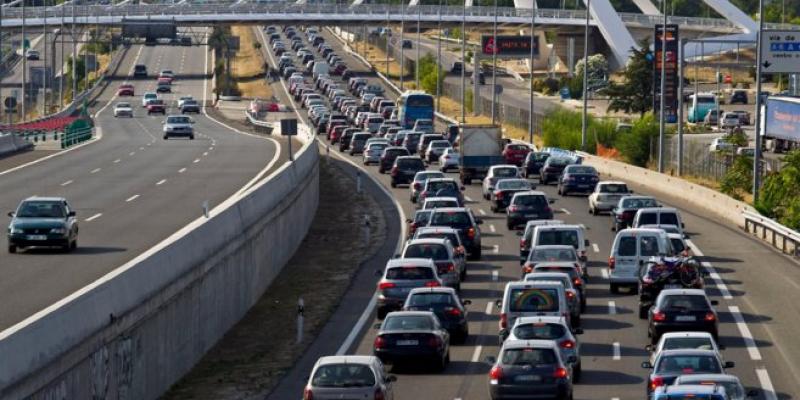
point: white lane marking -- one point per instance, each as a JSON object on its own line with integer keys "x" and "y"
{"x": 205, "y": 154}
{"x": 149, "y": 143}
{"x": 476, "y": 355}
{"x": 132, "y": 198}
{"x": 766, "y": 384}
{"x": 496, "y": 249}
{"x": 467, "y": 198}
{"x": 617, "y": 352}
{"x": 604, "y": 272}
{"x": 565, "y": 211}
{"x": 723, "y": 288}
{"x": 94, "y": 171}
{"x": 117, "y": 160}
{"x": 357, "y": 327}
{"x": 161, "y": 182}
{"x": 491, "y": 228}
{"x": 94, "y": 217}
{"x": 131, "y": 153}
{"x": 749, "y": 342}
{"x": 196, "y": 160}
{"x": 67, "y": 182}
{"x": 612, "y": 307}
{"x": 615, "y": 398}
{"x": 495, "y": 275}
{"x": 141, "y": 148}
{"x": 595, "y": 247}
{"x": 182, "y": 170}
{"x": 480, "y": 210}
{"x": 211, "y": 148}
{"x": 489, "y": 308}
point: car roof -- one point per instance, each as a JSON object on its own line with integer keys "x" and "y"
{"x": 410, "y": 262}
{"x": 531, "y": 284}
{"x": 668, "y": 335}
{"x": 531, "y": 193}
{"x": 553, "y": 246}
{"x": 436, "y": 229}
{"x": 441, "y": 179}
{"x": 542, "y": 264}
{"x": 426, "y": 241}
{"x": 409, "y": 158}
{"x": 559, "y": 227}
{"x": 44, "y": 198}
{"x": 493, "y": 167}
{"x": 452, "y": 209}
{"x": 438, "y": 289}
{"x": 711, "y": 377}
{"x": 611, "y": 183}
{"x": 441, "y": 198}
{"x": 327, "y": 360}
{"x": 542, "y": 222}
{"x": 697, "y": 352}
{"x": 658, "y": 209}
{"x": 635, "y": 231}
{"x": 411, "y": 314}
{"x": 692, "y": 389}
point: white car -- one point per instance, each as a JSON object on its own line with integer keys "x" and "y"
{"x": 606, "y": 196}
{"x": 497, "y": 172}
{"x": 183, "y": 99}
{"x": 449, "y": 159}
{"x": 719, "y": 144}
{"x": 730, "y": 120}
{"x": 683, "y": 340}
{"x": 123, "y": 110}
{"x": 147, "y": 97}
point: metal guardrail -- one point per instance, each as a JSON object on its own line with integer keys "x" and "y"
{"x": 260, "y": 126}
{"x": 780, "y": 237}
{"x": 73, "y": 138}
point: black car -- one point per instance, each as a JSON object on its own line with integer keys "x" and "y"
{"x": 685, "y": 310}
{"x": 404, "y": 169}
{"x": 406, "y": 336}
{"x": 527, "y": 206}
{"x": 622, "y": 215}
{"x": 739, "y": 96}
{"x": 163, "y": 87}
{"x": 407, "y": 44}
{"x": 504, "y": 190}
{"x": 43, "y": 222}
{"x": 552, "y": 169}
{"x": 457, "y": 67}
{"x": 388, "y": 157}
{"x": 533, "y": 163}
{"x": 527, "y": 369}
{"x": 448, "y": 307}
{"x": 578, "y": 179}
{"x": 462, "y": 220}
{"x": 344, "y": 140}
{"x": 140, "y": 71}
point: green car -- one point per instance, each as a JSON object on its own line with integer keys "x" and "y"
{"x": 43, "y": 222}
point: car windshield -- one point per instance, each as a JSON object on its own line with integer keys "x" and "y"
{"x": 431, "y": 299}
{"x": 408, "y": 323}
{"x": 688, "y": 364}
{"x": 123, "y": 105}
{"x": 639, "y": 203}
{"x": 677, "y": 343}
{"x": 533, "y": 300}
{"x": 409, "y": 273}
{"x": 343, "y": 375}
{"x": 539, "y": 331}
{"x": 178, "y": 120}
{"x": 567, "y": 255}
{"x": 530, "y": 201}
{"x": 513, "y": 184}
{"x": 434, "y": 251}
{"x": 528, "y": 356}
{"x": 614, "y": 188}
{"x": 505, "y": 172}
{"x": 41, "y": 209}
{"x": 558, "y": 236}
{"x": 684, "y": 302}
{"x": 455, "y": 219}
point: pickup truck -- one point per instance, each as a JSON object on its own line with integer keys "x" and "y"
{"x": 481, "y": 146}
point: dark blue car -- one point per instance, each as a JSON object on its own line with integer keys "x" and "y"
{"x": 578, "y": 179}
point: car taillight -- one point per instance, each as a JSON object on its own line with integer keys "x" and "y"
{"x": 547, "y": 209}
{"x": 471, "y": 233}
{"x": 451, "y": 267}
{"x": 498, "y": 195}
{"x": 394, "y": 171}
{"x": 710, "y": 317}
{"x": 527, "y": 268}
{"x": 379, "y": 343}
{"x": 577, "y": 282}
{"x": 417, "y": 186}
{"x": 379, "y": 394}
{"x": 434, "y": 341}
{"x": 503, "y": 321}
{"x": 656, "y": 382}
{"x": 611, "y": 262}
{"x": 513, "y": 209}
{"x": 522, "y": 243}
{"x": 432, "y": 284}
{"x": 452, "y": 311}
{"x": 567, "y": 344}
{"x": 560, "y": 373}
{"x": 495, "y": 374}
{"x": 570, "y": 295}
{"x": 308, "y": 394}
{"x": 659, "y": 316}
{"x": 386, "y": 285}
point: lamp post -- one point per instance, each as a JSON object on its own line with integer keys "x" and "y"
{"x": 464, "y": 65}
{"x": 402, "y": 40}
{"x": 531, "y": 117}
{"x": 416, "y": 63}
{"x": 494, "y": 66}
{"x": 661, "y": 119}
{"x": 584, "y": 115}
{"x": 759, "y": 114}
{"x": 439, "y": 56}
{"x": 24, "y": 66}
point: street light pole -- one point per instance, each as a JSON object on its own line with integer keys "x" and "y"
{"x": 759, "y": 114}
{"x": 661, "y": 119}
{"x": 585, "y": 116}
{"x": 439, "y": 56}
{"x": 74, "y": 53}
{"x": 402, "y": 40}
{"x": 45, "y": 59}
{"x": 416, "y": 63}
{"x": 24, "y": 66}
{"x": 464, "y": 65}
{"x": 494, "y": 66}
{"x": 531, "y": 117}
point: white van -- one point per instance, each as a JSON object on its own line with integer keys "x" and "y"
{"x": 320, "y": 68}
{"x": 571, "y": 235}
{"x": 531, "y": 299}
{"x": 666, "y": 218}
{"x": 631, "y": 250}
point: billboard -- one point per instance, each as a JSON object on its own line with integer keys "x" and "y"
{"x": 509, "y": 45}
{"x": 150, "y": 29}
{"x": 782, "y": 118}
{"x": 671, "y": 67}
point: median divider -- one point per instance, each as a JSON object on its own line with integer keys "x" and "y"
{"x": 138, "y": 329}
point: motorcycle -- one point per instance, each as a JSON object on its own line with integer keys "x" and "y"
{"x": 660, "y": 274}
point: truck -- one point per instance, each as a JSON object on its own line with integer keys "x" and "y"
{"x": 781, "y": 123}
{"x": 481, "y": 146}
{"x": 320, "y": 68}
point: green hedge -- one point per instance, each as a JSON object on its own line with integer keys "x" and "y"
{"x": 562, "y": 128}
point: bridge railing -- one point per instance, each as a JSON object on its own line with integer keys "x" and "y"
{"x": 770, "y": 231}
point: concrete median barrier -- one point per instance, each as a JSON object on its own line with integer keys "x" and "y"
{"x": 134, "y": 332}
{"x": 713, "y": 202}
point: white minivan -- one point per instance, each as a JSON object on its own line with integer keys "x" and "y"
{"x": 569, "y": 235}
{"x": 531, "y": 299}
{"x": 666, "y": 218}
{"x": 631, "y": 250}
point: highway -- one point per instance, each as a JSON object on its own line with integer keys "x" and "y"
{"x": 131, "y": 189}
{"x": 751, "y": 282}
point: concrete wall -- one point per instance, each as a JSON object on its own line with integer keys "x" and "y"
{"x": 137, "y": 330}
{"x": 713, "y": 202}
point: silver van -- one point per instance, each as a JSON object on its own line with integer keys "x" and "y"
{"x": 572, "y": 235}
{"x": 666, "y": 218}
{"x": 631, "y": 250}
{"x": 531, "y": 299}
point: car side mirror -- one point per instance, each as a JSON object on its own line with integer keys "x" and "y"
{"x": 586, "y": 242}
{"x": 714, "y": 303}
{"x": 647, "y": 365}
{"x": 391, "y": 378}
{"x": 752, "y": 393}
{"x": 572, "y": 359}
{"x": 377, "y": 325}
{"x": 649, "y": 347}
{"x": 11, "y": 214}
{"x": 683, "y": 226}
{"x": 498, "y": 303}
{"x": 519, "y": 233}
{"x": 490, "y": 360}
{"x": 730, "y": 364}
{"x": 71, "y": 214}
{"x": 409, "y": 220}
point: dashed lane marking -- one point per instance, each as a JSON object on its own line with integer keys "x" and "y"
{"x": 749, "y": 342}
{"x": 595, "y": 247}
{"x": 476, "y": 355}
{"x": 766, "y": 384}
{"x": 94, "y": 171}
{"x": 612, "y": 307}
{"x": 161, "y": 182}
{"x": 604, "y": 272}
{"x": 182, "y": 170}
{"x": 117, "y": 160}
{"x": 491, "y": 228}
{"x": 94, "y": 217}
{"x": 496, "y": 249}
{"x": 617, "y": 352}
{"x": 132, "y": 198}
{"x": 495, "y": 275}
{"x": 196, "y": 160}
{"x": 67, "y": 182}
{"x": 482, "y": 212}
{"x": 489, "y": 307}
{"x": 131, "y": 153}
{"x": 565, "y": 211}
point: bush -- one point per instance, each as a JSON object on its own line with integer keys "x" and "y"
{"x": 780, "y": 197}
{"x": 562, "y": 129}
{"x": 635, "y": 145}
{"x": 428, "y": 74}
{"x": 468, "y": 100}
{"x": 738, "y": 179}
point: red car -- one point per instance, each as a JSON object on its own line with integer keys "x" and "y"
{"x": 125, "y": 90}
{"x": 332, "y": 125}
{"x": 336, "y": 133}
{"x": 165, "y": 79}
{"x": 339, "y": 69}
{"x": 156, "y": 106}
{"x": 515, "y": 153}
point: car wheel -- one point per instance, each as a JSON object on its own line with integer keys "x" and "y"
{"x": 166, "y": 137}
{"x": 576, "y": 373}
{"x": 576, "y": 321}
{"x": 191, "y": 137}
{"x": 393, "y": 184}
{"x": 510, "y": 226}
{"x": 74, "y": 245}
{"x": 643, "y": 310}
{"x": 613, "y": 288}
{"x": 12, "y": 248}
{"x": 382, "y": 313}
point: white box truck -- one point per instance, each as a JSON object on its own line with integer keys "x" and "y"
{"x": 481, "y": 146}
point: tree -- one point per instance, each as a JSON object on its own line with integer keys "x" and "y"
{"x": 598, "y": 70}
{"x": 635, "y": 95}
{"x": 780, "y": 194}
{"x": 738, "y": 180}
{"x": 635, "y": 144}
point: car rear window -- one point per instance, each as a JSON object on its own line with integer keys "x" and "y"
{"x": 688, "y": 364}
{"x": 639, "y": 203}
{"x": 684, "y": 302}
{"x": 411, "y": 163}
{"x": 432, "y": 299}
{"x": 537, "y": 201}
{"x": 408, "y": 323}
{"x": 533, "y": 300}
{"x": 343, "y": 375}
{"x": 565, "y": 280}
{"x": 430, "y": 250}
{"x": 513, "y": 184}
{"x": 582, "y": 170}
{"x": 627, "y": 246}
{"x": 558, "y": 237}
{"x": 700, "y": 343}
{"x": 517, "y": 147}
{"x": 452, "y": 237}
{"x": 409, "y": 273}
{"x": 539, "y": 331}
{"x": 528, "y": 356}
{"x": 440, "y": 203}
{"x": 648, "y": 246}
{"x": 614, "y": 188}
{"x": 669, "y": 218}
{"x": 648, "y": 218}
{"x": 505, "y": 172}
{"x": 435, "y": 186}
{"x": 455, "y": 219}
{"x": 553, "y": 255}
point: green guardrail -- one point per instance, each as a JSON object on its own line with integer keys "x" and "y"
{"x": 77, "y": 132}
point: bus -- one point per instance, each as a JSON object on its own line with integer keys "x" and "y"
{"x": 700, "y": 105}
{"x": 414, "y": 105}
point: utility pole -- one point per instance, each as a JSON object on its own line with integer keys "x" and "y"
{"x": 680, "y": 108}
{"x": 74, "y": 66}
{"x": 661, "y": 119}
{"x": 1, "y": 46}
{"x": 388, "y": 38}
{"x": 61, "y": 65}
{"x": 464, "y": 65}
{"x": 759, "y": 114}
{"x": 24, "y": 67}
{"x": 416, "y": 63}
{"x": 585, "y": 116}
{"x": 531, "y": 117}
{"x": 44, "y": 61}
{"x": 402, "y": 40}
{"x": 494, "y": 66}
{"x": 439, "y": 57}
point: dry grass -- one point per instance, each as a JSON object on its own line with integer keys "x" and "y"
{"x": 248, "y": 65}
{"x": 377, "y": 57}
